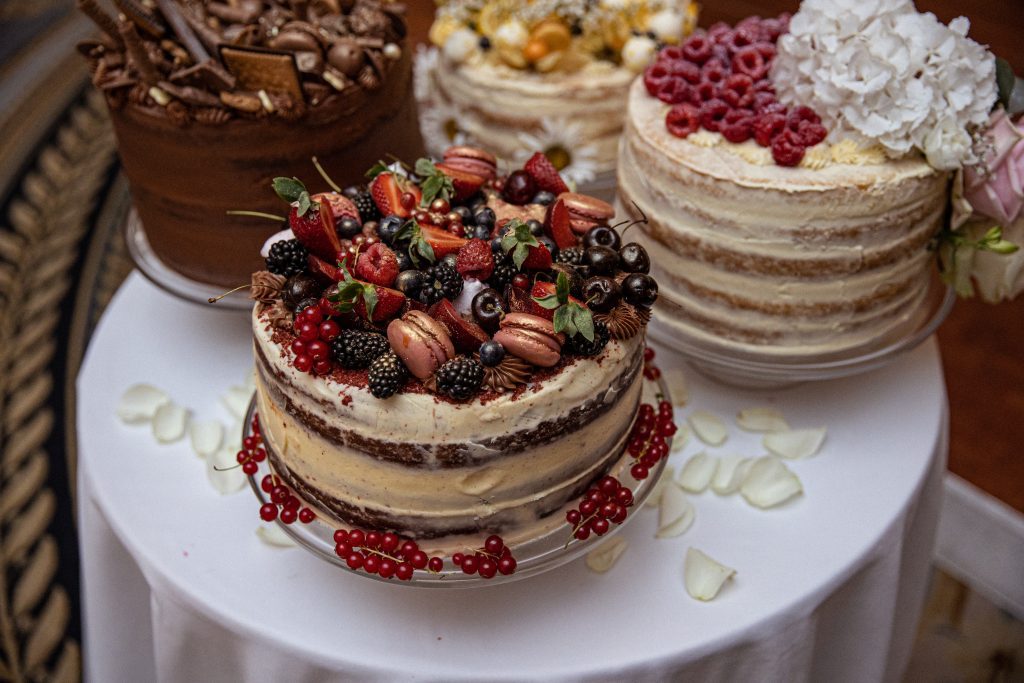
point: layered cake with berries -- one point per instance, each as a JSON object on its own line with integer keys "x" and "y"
{"x": 209, "y": 100}
{"x": 441, "y": 352}
{"x": 523, "y": 75}
{"x": 780, "y": 218}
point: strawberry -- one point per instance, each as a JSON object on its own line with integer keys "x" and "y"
{"x": 545, "y": 175}
{"x": 324, "y": 270}
{"x": 441, "y": 241}
{"x": 539, "y": 258}
{"x": 527, "y": 253}
{"x": 518, "y": 300}
{"x": 475, "y": 260}
{"x": 341, "y": 206}
{"x": 377, "y": 265}
{"x": 389, "y": 303}
{"x": 311, "y": 221}
{"x": 465, "y": 184}
{"x": 558, "y": 226}
{"x": 387, "y": 190}
{"x": 467, "y": 336}
{"x": 542, "y": 290}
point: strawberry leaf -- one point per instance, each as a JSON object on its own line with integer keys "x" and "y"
{"x": 583, "y": 320}
{"x": 549, "y": 302}
{"x": 418, "y": 245}
{"x": 370, "y": 299}
{"x": 518, "y": 239}
{"x": 294, "y": 192}
{"x": 562, "y": 288}
{"x": 434, "y": 182}
{"x": 563, "y": 321}
{"x": 350, "y": 290}
{"x": 376, "y": 170}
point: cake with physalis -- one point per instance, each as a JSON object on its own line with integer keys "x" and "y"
{"x": 553, "y": 75}
{"x": 794, "y": 173}
{"x": 448, "y": 351}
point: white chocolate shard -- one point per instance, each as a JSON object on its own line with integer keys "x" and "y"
{"x": 761, "y": 419}
{"x": 708, "y": 427}
{"x": 654, "y": 498}
{"x": 703, "y": 576}
{"x": 140, "y": 402}
{"x": 795, "y": 443}
{"x": 676, "y": 380}
{"x": 607, "y": 554}
{"x": 236, "y": 400}
{"x": 769, "y": 483}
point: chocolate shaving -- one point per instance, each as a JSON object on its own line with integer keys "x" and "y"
{"x": 178, "y": 114}
{"x": 242, "y": 102}
{"x": 213, "y": 116}
{"x": 106, "y": 23}
{"x": 244, "y": 12}
{"x": 506, "y": 375}
{"x": 623, "y": 321}
{"x": 137, "y": 53}
{"x": 182, "y": 29}
{"x": 116, "y": 81}
{"x": 141, "y": 17}
{"x": 266, "y": 286}
{"x": 279, "y": 315}
{"x": 206, "y": 35}
{"x": 190, "y": 95}
{"x": 139, "y": 95}
{"x": 368, "y": 78}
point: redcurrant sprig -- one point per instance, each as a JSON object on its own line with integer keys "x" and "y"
{"x": 648, "y": 440}
{"x": 311, "y": 345}
{"x": 385, "y": 554}
{"x": 494, "y": 557}
{"x": 604, "y": 504}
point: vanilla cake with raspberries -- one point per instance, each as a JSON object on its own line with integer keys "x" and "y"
{"x": 446, "y": 351}
{"x": 780, "y": 220}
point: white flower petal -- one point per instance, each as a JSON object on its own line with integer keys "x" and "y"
{"x": 676, "y": 380}
{"x": 236, "y": 400}
{"x": 206, "y": 436}
{"x": 605, "y": 556}
{"x": 139, "y": 403}
{"x": 680, "y": 439}
{"x": 761, "y": 419}
{"x": 274, "y": 535}
{"x": 169, "y": 423}
{"x": 769, "y": 483}
{"x": 675, "y": 514}
{"x": 223, "y": 471}
{"x": 703, "y": 576}
{"x": 708, "y": 427}
{"x": 732, "y": 469}
{"x": 697, "y": 472}
{"x": 796, "y": 443}
{"x": 654, "y": 498}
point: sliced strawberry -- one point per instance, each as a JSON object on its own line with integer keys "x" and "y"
{"x": 541, "y": 290}
{"x": 387, "y": 190}
{"x": 467, "y": 336}
{"x": 475, "y": 260}
{"x": 341, "y": 206}
{"x": 466, "y": 184}
{"x": 389, "y": 304}
{"x": 315, "y": 230}
{"x": 518, "y": 300}
{"x": 324, "y": 270}
{"x": 441, "y": 241}
{"x": 545, "y": 175}
{"x": 558, "y": 225}
{"x": 539, "y": 258}
{"x": 377, "y": 265}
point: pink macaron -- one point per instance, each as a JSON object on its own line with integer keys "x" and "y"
{"x": 472, "y": 160}
{"x": 421, "y": 342}
{"x": 531, "y": 338}
{"x": 585, "y": 211}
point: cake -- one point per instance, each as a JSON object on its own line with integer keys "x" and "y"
{"x": 555, "y": 74}
{"x": 207, "y": 97}
{"x": 433, "y": 369}
{"x": 789, "y": 217}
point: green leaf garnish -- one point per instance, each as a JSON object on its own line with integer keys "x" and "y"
{"x": 518, "y": 241}
{"x": 434, "y": 183}
{"x": 376, "y": 170}
{"x": 1005, "y": 80}
{"x": 350, "y": 290}
{"x": 419, "y": 247}
{"x": 293, "y": 191}
{"x": 570, "y": 317}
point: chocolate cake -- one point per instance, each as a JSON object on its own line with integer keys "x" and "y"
{"x": 446, "y": 351}
{"x": 210, "y": 99}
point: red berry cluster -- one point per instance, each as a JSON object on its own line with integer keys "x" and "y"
{"x": 648, "y": 441}
{"x": 440, "y": 215}
{"x": 651, "y": 371}
{"x": 281, "y": 497}
{"x": 251, "y": 455}
{"x": 383, "y": 553}
{"x": 720, "y": 81}
{"x": 603, "y": 504}
{"x": 493, "y": 558}
{"x": 311, "y": 348}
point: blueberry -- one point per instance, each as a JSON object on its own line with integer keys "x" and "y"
{"x": 353, "y": 191}
{"x": 448, "y": 260}
{"x": 536, "y": 227}
{"x": 476, "y": 202}
{"x": 496, "y": 245}
{"x": 491, "y": 353}
{"x": 549, "y": 243}
{"x": 410, "y": 282}
{"x": 465, "y": 214}
{"x": 485, "y": 216}
{"x": 602, "y": 236}
{"x": 349, "y": 227}
{"x": 602, "y": 260}
{"x": 543, "y": 197}
{"x": 640, "y": 290}
{"x": 388, "y": 228}
{"x": 404, "y": 260}
{"x": 481, "y": 232}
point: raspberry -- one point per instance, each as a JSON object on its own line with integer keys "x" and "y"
{"x": 748, "y": 60}
{"x": 738, "y": 91}
{"x": 696, "y": 49}
{"x": 802, "y": 113}
{"x": 810, "y": 133}
{"x": 712, "y": 113}
{"x": 377, "y": 265}
{"x": 674, "y": 90}
{"x": 682, "y": 119}
{"x": 764, "y": 85}
{"x": 768, "y": 127}
{"x": 737, "y": 126}
{"x": 689, "y": 72}
{"x": 718, "y": 31}
{"x": 714, "y": 71}
{"x": 475, "y": 260}
{"x": 787, "y": 148}
{"x": 671, "y": 53}
{"x": 654, "y": 76}
{"x": 765, "y": 103}
{"x": 742, "y": 36}
{"x": 767, "y": 51}
{"x": 773, "y": 28}
{"x": 706, "y": 91}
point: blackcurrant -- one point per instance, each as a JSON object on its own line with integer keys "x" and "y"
{"x": 491, "y": 353}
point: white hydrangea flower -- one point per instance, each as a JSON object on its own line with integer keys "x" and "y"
{"x": 878, "y": 71}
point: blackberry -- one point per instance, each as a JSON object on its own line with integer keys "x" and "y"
{"x": 287, "y": 258}
{"x": 443, "y": 282}
{"x": 504, "y": 271}
{"x": 578, "y": 344}
{"x": 460, "y": 377}
{"x": 572, "y": 256}
{"x": 387, "y": 374}
{"x": 356, "y": 349}
{"x": 367, "y": 209}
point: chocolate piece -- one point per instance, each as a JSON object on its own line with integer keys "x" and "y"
{"x": 142, "y": 17}
{"x": 137, "y": 53}
{"x": 244, "y": 12}
{"x": 309, "y": 62}
{"x": 506, "y": 375}
{"x": 182, "y": 29}
{"x": 266, "y": 286}
{"x": 242, "y": 101}
{"x": 263, "y": 70}
{"x": 346, "y": 56}
{"x": 190, "y": 95}
{"x": 294, "y": 41}
{"x": 106, "y": 23}
{"x": 623, "y": 321}
{"x": 368, "y": 78}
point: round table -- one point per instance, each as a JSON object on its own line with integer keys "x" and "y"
{"x": 178, "y": 587}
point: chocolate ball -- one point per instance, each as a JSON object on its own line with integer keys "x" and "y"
{"x": 347, "y": 57}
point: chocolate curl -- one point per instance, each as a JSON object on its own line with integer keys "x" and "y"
{"x": 137, "y": 53}
{"x": 206, "y": 35}
{"x": 241, "y": 13}
{"x": 188, "y": 38}
{"x": 106, "y": 23}
{"x": 141, "y": 17}
{"x": 300, "y": 8}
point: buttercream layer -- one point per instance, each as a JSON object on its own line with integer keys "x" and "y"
{"x": 430, "y": 467}
{"x": 783, "y": 260}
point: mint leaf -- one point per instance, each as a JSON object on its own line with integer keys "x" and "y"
{"x": 434, "y": 184}
{"x": 288, "y": 189}
{"x": 425, "y": 167}
{"x": 370, "y": 299}
{"x": 549, "y": 302}
{"x": 418, "y": 245}
{"x": 518, "y": 240}
{"x": 583, "y": 319}
{"x": 376, "y": 170}
{"x": 563, "y": 321}
{"x": 520, "y": 254}
{"x": 562, "y": 288}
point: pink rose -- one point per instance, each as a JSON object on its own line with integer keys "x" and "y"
{"x": 995, "y": 188}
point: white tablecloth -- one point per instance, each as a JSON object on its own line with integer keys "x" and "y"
{"x": 179, "y": 588}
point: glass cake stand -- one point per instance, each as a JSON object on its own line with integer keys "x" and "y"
{"x": 538, "y": 548}
{"x": 172, "y": 282}
{"x": 751, "y": 368}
